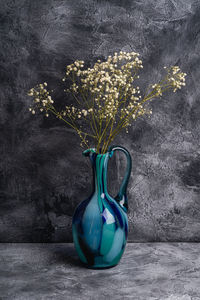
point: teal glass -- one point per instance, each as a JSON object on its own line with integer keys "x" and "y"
{"x": 100, "y": 223}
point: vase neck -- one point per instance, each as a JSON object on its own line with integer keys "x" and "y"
{"x": 99, "y": 165}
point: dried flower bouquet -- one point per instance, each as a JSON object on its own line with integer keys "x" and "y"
{"x": 106, "y": 97}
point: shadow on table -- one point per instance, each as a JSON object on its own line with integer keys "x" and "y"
{"x": 66, "y": 253}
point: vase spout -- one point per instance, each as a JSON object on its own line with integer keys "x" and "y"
{"x": 89, "y": 151}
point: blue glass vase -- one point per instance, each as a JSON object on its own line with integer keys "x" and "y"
{"x": 100, "y": 223}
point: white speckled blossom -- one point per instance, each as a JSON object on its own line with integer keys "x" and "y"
{"x": 107, "y": 98}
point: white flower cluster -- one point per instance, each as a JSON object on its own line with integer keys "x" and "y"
{"x": 108, "y": 98}
{"x": 107, "y": 83}
{"x": 74, "y": 112}
{"x": 176, "y": 78}
{"x": 75, "y": 67}
{"x": 42, "y": 99}
{"x": 157, "y": 88}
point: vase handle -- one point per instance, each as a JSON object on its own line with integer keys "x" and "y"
{"x": 121, "y": 197}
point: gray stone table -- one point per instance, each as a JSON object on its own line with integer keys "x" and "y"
{"x": 166, "y": 271}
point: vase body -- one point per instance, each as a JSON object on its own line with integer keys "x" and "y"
{"x": 100, "y": 223}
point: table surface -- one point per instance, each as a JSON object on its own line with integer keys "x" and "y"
{"x": 164, "y": 271}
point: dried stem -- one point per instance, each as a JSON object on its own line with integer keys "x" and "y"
{"x": 107, "y": 97}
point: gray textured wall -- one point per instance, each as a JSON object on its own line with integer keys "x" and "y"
{"x": 43, "y": 174}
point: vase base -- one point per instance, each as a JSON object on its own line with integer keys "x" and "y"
{"x": 99, "y": 267}
{"x": 96, "y": 261}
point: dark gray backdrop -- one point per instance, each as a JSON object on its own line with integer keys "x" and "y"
{"x": 43, "y": 174}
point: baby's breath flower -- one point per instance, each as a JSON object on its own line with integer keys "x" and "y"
{"x": 106, "y": 95}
